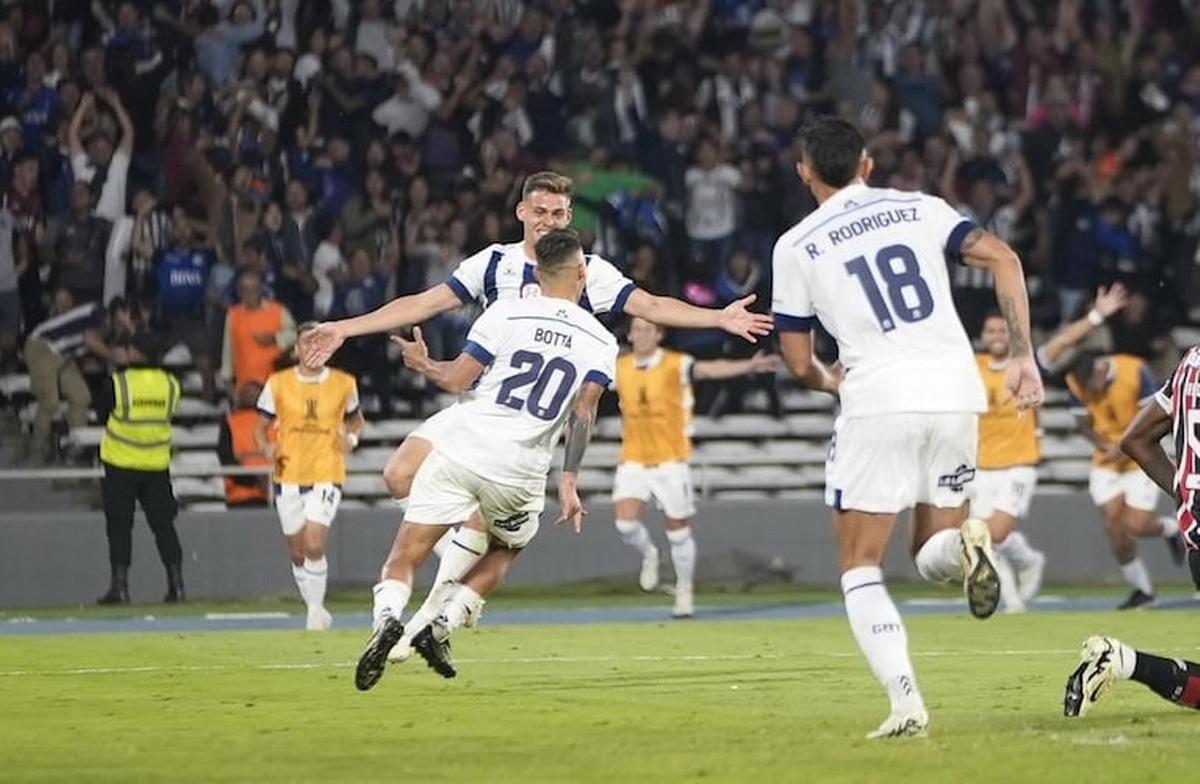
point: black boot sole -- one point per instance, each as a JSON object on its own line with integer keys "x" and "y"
{"x": 425, "y": 645}
{"x": 373, "y": 661}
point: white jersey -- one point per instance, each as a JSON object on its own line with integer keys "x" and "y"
{"x": 500, "y": 272}
{"x": 870, "y": 265}
{"x": 538, "y": 351}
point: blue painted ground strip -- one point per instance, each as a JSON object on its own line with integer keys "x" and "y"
{"x": 543, "y": 616}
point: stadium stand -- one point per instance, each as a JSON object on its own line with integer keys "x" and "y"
{"x": 351, "y": 152}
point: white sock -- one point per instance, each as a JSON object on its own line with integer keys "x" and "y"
{"x": 939, "y": 559}
{"x": 316, "y": 574}
{"x": 1008, "y": 583}
{"x": 301, "y": 578}
{"x": 462, "y": 604}
{"x": 634, "y": 534}
{"x": 1170, "y": 526}
{"x": 390, "y": 598}
{"x": 1126, "y": 662}
{"x": 1017, "y": 550}
{"x": 439, "y": 549}
{"x": 465, "y": 549}
{"x": 683, "y": 555}
{"x": 1136, "y": 575}
{"x": 880, "y": 633}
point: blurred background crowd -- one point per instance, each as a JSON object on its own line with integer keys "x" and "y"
{"x": 221, "y": 170}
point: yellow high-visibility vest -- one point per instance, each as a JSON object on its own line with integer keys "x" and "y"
{"x": 137, "y": 435}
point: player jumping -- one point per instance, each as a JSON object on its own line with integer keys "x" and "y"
{"x": 1174, "y": 410}
{"x": 869, "y": 265}
{"x": 541, "y": 364}
{"x": 655, "y": 391}
{"x": 497, "y": 273}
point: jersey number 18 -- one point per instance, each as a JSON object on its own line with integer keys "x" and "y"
{"x": 897, "y": 279}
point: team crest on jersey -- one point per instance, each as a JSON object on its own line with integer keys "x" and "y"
{"x": 957, "y": 480}
{"x": 310, "y": 408}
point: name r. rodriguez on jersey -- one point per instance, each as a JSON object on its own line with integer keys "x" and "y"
{"x": 860, "y": 226}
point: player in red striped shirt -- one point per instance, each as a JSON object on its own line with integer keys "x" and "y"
{"x": 1175, "y": 409}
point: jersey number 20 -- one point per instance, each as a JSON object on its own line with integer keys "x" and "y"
{"x": 537, "y": 371}
{"x": 897, "y": 266}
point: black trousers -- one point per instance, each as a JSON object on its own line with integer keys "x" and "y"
{"x": 152, "y": 489}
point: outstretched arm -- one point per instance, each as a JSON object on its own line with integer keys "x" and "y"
{"x": 730, "y": 368}
{"x": 669, "y": 312}
{"x": 319, "y": 344}
{"x": 455, "y": 376}
{"x": 1108, "y": 301}
{"x": 797, "y": 350}
{"x": 580, "y": 425}
{"x": 981, "y": 248}
{"x": 1143, "y": 442}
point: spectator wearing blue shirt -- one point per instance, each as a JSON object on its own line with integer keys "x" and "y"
{"x": 37, "y": 106}
{"x": 364, "y": 289}
{"x": 183, "y": 270}
{"x": 217, "y": 44}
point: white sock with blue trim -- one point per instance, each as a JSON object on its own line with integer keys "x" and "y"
{"x": 881, "y": 636}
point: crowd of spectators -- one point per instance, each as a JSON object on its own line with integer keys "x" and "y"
{"x": 221, "y": 170}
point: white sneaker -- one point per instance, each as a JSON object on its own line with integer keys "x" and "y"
{"x": 1101, "y": 659}
{"x": 685, "y": 605}
{"x": 903, "y": 725}
{"x": 1029, "y": 578}
{"x": 648, "y": 577}
{"x": 318, "y": 619}
{"x": 981, "y": 583}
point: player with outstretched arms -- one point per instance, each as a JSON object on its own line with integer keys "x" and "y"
{"x": 497, "y": 273}
{"x": 1175, "y": 410}
{"x": 539, "y": 365}
{"x": 869, "y": 265}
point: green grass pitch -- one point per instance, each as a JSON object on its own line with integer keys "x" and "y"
{"x": 698, "y": 701}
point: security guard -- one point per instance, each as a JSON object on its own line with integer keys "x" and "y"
{"x": 136, "y": 453}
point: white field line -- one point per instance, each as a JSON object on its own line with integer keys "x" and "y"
{"x": 551, "y": 660}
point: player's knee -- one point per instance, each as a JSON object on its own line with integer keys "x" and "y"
{"x": 398, "y": 478}
{"x": 314, "y": 551}
{"x": 677, "y": 525}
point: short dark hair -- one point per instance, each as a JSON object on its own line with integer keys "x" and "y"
{"x": 1082, "y": 366}
{"x": 556, "y": 249}
{"x": 833, "y": 148}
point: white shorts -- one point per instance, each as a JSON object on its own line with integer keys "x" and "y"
{"x": 1105, "y": 484}
{"x": 1008, "y": 490}
{"x": 435, "y": 426}
{"x": 445, "y": 493}
{"x": 669, "y": 484}
{"x": 297, "y": 504}
{"x": 884, "y": 464}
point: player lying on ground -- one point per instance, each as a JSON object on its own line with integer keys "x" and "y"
{"x": 541, "y": 365}
{"x": 1106, "y": 660}
{"x": 495, "y": 274}
{"x": 869, "y": 264}
{"x": 654, "y": 387}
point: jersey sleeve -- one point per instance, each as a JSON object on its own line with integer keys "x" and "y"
{"x": 607, "y": 288}
{"x": 467, "y": 280}
{"x": 352, "y": 402}
{"x": 483, "y": 341}
{"x": 948, "y": 225}
{"x": 687, "y": 370}
{"x": 604, "y": 366}
{"x": 791, "y": 302}
{"x": 266, "y": 401}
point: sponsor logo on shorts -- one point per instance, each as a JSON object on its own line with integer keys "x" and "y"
{"x": 513, "y": 523}
{"x": 957, "y": 480}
